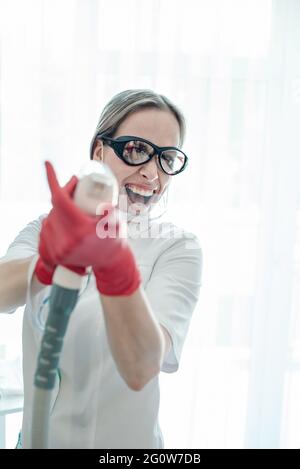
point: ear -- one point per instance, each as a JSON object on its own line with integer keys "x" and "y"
{"x": 98, "y": 151}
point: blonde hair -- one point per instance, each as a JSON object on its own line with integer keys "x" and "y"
{"x": 129, "y": 101}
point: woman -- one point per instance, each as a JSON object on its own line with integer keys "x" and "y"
{"x": 136, "y": 303}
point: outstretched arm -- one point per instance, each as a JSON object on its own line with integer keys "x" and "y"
{"x": 137, "y": 341}
{"x": 13, "y": 284}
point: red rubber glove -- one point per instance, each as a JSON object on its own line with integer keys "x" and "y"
{"x": 71, "y": 238}
{"x": 45, "y": 266}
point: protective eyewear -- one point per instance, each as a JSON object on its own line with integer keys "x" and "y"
{"x": 136, "y": 151}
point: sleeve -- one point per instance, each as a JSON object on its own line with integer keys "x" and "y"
{"x": 173, "y": 292}
{"x": 26, "y": 242}
{"x": 25, "y": 245}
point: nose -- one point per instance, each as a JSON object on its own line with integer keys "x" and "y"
{"x": 150, "y": 170}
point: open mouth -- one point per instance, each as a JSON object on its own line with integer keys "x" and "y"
{"x": 137, "y": 195}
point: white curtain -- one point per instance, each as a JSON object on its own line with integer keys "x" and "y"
{"x": 234, "y": 68}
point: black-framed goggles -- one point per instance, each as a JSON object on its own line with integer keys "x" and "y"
{"x": 136, "y": 151}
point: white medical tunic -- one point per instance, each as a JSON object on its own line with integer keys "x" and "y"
{"x": 92, "y": 406}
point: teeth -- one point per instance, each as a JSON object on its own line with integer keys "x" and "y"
{"x": 138, "y": 190}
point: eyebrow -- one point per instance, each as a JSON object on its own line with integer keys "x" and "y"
{"x": 134, "y": 137}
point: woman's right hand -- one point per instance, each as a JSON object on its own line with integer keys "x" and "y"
{"x": 70, "y": 237}
{"x": 48, "y": 261}
{"x": 76, "y": 240}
